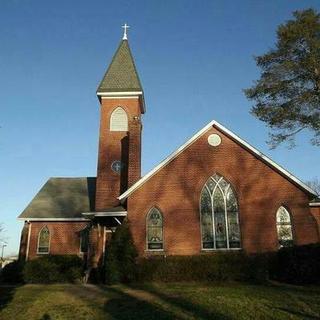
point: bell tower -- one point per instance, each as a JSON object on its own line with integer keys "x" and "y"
{"x": 121, "y": 105}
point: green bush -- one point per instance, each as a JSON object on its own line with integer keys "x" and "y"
{"x": 297, "y": 265}
{"x": 54, "y": 269}
{"x": 12, "y": 272}
{"x": 121, "y": 254}
{"x": 219, "y": 266}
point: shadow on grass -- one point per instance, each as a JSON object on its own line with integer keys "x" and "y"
{"x": 126, "y": 306}
{"x": 6, "y": 295}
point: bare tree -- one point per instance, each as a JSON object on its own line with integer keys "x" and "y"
{"x": 314, "y": 184}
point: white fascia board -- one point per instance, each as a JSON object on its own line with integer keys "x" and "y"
{"x": 314, "y": 204}
{"x": 123, "y": 95}
{"x": 243, "y": 143}
{"x": 53, "y": 219}
{"x": 120, "y": 97}
{"x": 120, "y": 93}
{"x": 106, "y": 214}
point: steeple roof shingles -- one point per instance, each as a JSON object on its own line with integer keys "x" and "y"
{"x": 121, "y": 75}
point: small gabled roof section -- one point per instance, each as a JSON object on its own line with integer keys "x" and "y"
{"x": 62, "y": 199}
{"x": 229, "y": 133}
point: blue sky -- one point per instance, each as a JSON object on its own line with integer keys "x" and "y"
{"x": 193, "y": 57}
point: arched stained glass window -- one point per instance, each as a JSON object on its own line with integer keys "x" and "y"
{"x": 44, "y": 240}
{"x": 219, "y": 215}
{"x": 284, "y": 227}
{"x": 119, "y": 120}
{"x": 154, "y": 230}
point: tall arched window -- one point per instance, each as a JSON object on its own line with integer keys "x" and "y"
{"x": 219, "y": 215}
{"x": 284, "y": 228}
{"x": 154, "y": 230}
{"x": 119, "y": 120}
{"x": 44, "y": 240}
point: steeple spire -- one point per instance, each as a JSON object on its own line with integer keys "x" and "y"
{"x": 122, "y": 77}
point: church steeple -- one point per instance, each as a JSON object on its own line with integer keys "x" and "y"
{"x": 121, "y": 98}
{"x": 122, "y": 76}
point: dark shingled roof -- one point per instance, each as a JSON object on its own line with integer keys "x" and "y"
{"x": 122, "y": 74}
{"x": 62, "y": 198}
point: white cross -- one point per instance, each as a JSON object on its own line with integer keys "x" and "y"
{"x": 117, "y": 167}
{"x": 125, "y": 36}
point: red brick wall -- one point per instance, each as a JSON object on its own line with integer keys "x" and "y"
{"x": 64, "y": 237}
{"x": 260, "y": 190}
{"x": 114, "y": 146}
{"x": 315, "y": 211}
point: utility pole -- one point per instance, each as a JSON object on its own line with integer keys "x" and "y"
{"x": 4, "y": 245}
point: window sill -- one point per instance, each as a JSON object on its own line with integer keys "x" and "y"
{"x": 41, "y": 253}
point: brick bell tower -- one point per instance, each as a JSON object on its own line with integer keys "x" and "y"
{"x": 122, "y": 103}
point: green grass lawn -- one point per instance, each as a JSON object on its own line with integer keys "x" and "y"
{"x": 159, "y": 301}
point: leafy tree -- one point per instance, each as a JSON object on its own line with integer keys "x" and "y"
{"x": 287, "y": 95}
{"x": 315, "y": 185}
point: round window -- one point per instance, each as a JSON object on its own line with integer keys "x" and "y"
{"x": 214, "y": 140}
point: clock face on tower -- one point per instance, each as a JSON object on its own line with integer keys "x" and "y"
{"x": 116, "y": 166}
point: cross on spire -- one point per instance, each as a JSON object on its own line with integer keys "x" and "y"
{"x": 125, "y": 27}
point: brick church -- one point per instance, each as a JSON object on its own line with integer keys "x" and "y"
{"x": 215, "y": 192}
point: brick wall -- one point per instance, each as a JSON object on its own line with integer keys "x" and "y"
{"x": 64, "y": 237}
{"x": 113, "y": 146}
{"x": 260, "y": 191}
{"x": 315, "y": 211}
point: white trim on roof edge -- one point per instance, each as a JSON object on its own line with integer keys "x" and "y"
{"x": 119, "y": 93}
{"x": 53, "y": 219}
{"x": 232, "y": 135}
{"x": 106, "y": 214}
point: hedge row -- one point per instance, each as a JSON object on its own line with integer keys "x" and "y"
{"x": 221, "y": 266}
{"x": 296, "y": 265}
{"x": 46, "y": 269}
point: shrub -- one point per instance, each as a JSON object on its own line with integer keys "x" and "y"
{"x": 297, "y": 265}
{"x": 12, "y": 273}
{"x": 220, "y": 266}
{"x": 121, "y": 254}
{"x": 54, "y": 268}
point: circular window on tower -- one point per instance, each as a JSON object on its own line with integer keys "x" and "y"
{"x": 214, "y": 140}
{"x": 116, "y": 166}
